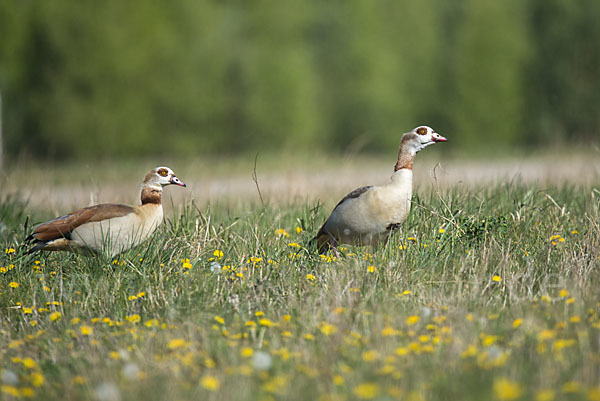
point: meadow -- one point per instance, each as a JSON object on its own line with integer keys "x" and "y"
{"x": 489, "y": 291}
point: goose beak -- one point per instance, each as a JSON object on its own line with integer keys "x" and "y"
{"x": 438, "y": 138}
{"x": 176, "y": 181}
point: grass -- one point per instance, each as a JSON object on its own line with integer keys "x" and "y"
{"x": 486, "y": 293}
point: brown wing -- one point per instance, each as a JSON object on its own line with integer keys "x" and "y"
{"x": 62, "y": 226}
{"x": 354, "y": 194}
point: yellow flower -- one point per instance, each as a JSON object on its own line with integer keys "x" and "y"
{"x": 571, "y": 387}
{"x": 412, "y": 320}
{"x": 246, "y": 352}
{"x": 177, "y": 343}
{"x": 29, "y": 363}
{"x": 496, "y": 278}
{"x": 280, "y": 232}
{"x": 505, "y": 389}
{"x": 86, "y": 330}
{"x": 338, "y": 380}
{"x": 593, "y": 394}
{"x": 210, "y": 383}
{"x": 389, "y": 331}
{"x": 135, "y": 318}
{"x": 37, "y": 379}
{"x": 218, "y": 254}
{"x": 370, "y": 356}
{"x": 266, "y": 322}
{"x": 294, "y": 244}
{"x": 516, "y": 323}
{"x": 55, "y": 316}
{"x": 132, "y": 297}
{"x": 544, "y": 395}
{"x": 442, "y": 230}
{"x": 328, "y": 329}
{"x": 8, "y": 251}
{"x": 545, "y": 335}
{"x": 366, "y": 391}
{"x": 13, "y": 284}
{"x": 371, "y": 269}
{"x": 299, "y": 230}
{"x": 27, "y": 392}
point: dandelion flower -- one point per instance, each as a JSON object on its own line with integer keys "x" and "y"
{"x": 55, "y": 316}
{"x": 280, "y": 232}
{"x": 516, "y": 323}
{"x": 366, "y": 391}
{"x": 266, "y": 322}
{"x": 86, "y": 330}
{"x": 328, "y": 329}
{"x": 544, "y": 395}
{"x": 210, "y": 383}
{"x": 371, "y": 269}
{"x": 13, "y": 284}
{"x": 29, "y": 363}
{"x": 505, "y": 389}
{"x": 135, "y": 318}
{"x": 411, "y": 320}
{"x": 310, "y": 277}
{"x": 218, "y": 254}
{"x": 177, "y": 343}
{"x": 496, "y": 278}
{"x": 246, "y": 352}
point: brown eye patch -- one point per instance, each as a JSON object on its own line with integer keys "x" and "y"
{"x": 421, "y": 130}
{"x": 163, "y": 172}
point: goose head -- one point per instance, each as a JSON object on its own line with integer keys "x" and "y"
{"x": 162, "y": 176}
{"x": 421, "y": 137}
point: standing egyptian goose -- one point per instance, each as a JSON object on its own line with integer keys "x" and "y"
{"x": 368, "y": 214}
{"x": 108, "y": 227}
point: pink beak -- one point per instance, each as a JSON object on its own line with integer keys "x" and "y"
{"x": 176, "y": 181}
{"x": 438, "y": 138}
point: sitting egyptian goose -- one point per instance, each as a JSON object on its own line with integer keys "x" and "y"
{"x": 107, "y": 227}
{"x": 368, "y": 214}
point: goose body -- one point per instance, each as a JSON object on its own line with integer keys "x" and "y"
{"x": 112, "y": 228}
{"x": 368, "y": 214}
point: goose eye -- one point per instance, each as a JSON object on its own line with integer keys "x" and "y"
{"x": 422, "y": 131}
{"x": 163, "y": 172}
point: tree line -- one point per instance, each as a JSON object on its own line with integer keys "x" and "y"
{"x": 89, "y": 79}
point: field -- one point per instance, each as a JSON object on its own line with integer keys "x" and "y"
{"x": 489, "y": 291}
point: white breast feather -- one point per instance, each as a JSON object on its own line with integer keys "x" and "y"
{"x": 120, "y": 233}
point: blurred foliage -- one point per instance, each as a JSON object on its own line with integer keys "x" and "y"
{"x": 90, "y": 79}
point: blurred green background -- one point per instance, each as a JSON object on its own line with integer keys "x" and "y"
{"x": 95, "y": 79}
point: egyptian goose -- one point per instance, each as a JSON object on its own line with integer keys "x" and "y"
{"x": 368, "y": 214}
{"x": 109, "y": 227}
